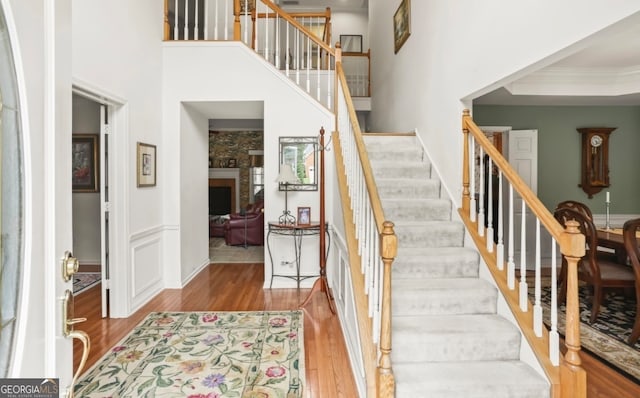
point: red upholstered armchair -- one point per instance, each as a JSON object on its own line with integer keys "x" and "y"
{"x": 247, "y": 228}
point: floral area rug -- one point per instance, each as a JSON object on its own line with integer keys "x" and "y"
{"x": 84, "y": 280}
{"x": 204, "y": 355}
{"x": 606, "y": 338}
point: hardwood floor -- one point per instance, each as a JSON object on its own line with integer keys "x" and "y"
{"x": 238, "y": 287}
{"x": 235, "y": 287}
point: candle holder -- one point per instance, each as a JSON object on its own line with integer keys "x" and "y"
{"x": 607, "y": 225}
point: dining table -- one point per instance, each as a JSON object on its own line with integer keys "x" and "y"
{"x": 612, "y": 238}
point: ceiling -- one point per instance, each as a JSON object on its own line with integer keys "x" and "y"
{"x": 601, "y": 70}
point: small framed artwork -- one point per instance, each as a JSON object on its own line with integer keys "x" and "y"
{"x": 84, "y": 163}
{"x": 401, "y": 24}
{"x": 232, "y": 163}
{"x": 351, "y": 43}
{"x": 146, "y": 165}
{"x": 304, "y": 215}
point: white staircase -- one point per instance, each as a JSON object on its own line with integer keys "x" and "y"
{"x": 448, "y": 340}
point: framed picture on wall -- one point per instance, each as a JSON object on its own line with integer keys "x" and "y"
{"x": 84, "y": 163}
{"x": 146, "y": 165}
{"x": 401, "y": 24}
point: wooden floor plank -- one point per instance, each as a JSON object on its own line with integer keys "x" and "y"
{"x": 235, "y": 287}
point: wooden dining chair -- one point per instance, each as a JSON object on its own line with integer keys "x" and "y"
{"x": 631, "y": 245}
{"x": 597, "y": 269}
{"x": 577, "y": 206}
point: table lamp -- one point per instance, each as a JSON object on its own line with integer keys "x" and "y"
{"x": 286, "y": 177}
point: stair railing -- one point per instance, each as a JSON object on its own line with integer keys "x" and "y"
{"x": 287, "y": 41}
{"x": 371, "y": 239}
{"x": 495, "y": 202}
{"x": 357, "y": 70}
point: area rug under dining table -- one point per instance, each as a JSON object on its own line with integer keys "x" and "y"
{"x": 204, "y": 354}
{"x": 606, "y": 338}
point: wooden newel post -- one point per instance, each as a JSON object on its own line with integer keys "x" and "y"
{"x": 466, "y": 196}
{"x": 167, "y": 27}
{"x": 573, "y": 377}
{"x": 388, "y": 251}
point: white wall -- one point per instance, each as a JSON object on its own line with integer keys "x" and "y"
{"x": 350, "y": 23}
{"x": 194, "y": 191}
{"x": 463, "y": 48}
{"x": 193, "y": 72}
{"x": 117, "y": 50}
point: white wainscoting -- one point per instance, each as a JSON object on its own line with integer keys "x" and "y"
{"x": 339, "y": 275}
{"x": 145, "y": 273}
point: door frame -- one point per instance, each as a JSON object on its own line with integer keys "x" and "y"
{"x": 119, "y": 182}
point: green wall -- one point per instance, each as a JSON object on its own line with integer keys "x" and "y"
{"x": 559, "y": 155}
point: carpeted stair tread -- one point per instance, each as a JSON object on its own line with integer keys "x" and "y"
{"x": 429, "y": 233}
{"x": 380, "y": 154}
{"x": 447, "y": 338}
{"x": 474, "y": 379}
{"x": 417, "y": 209}
{"x": 443, "y": 296}
{"x": 435, "y": 262}
{"x": 404, "y": 169}
{"x": 392, "y": 188}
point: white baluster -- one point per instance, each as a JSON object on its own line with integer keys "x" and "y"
{"x": 481, "y": 195}
{"x": 523, "y": 259}
{"x": 226, "y": 20}
{"x": 266, "y": 34}
{"x": 308, "y": 64}
{"x": 176, "y": 30}
{"x": 287, "y": 56}
{"x": 472, "y": 173}
{"x": 247, "y": 21}
{"x": 215, "y": 23}
{"x": 537, "y": 307}
{"x": 196, "y": 31}
{"x": 511, "y": 265}
{"x": 186, "y": 20}
{"x": 490, "y": 207}
{"x": 554, "y": 338}
{"x": 206, "y": 20}
{"x": 500, "y": 245}
{"x": 276, "y": 45}
{"x": 297, "y": 56}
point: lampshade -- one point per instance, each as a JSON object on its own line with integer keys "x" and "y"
{"x": 286, "y": 175}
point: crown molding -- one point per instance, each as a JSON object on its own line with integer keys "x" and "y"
{"x": 579, "y": 82}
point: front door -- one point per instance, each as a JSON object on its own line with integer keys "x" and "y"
{"x": 36, "y": 147}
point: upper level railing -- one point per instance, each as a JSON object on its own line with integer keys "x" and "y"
{"x": 500, "y": 211}
{"x": 294, "y": 44}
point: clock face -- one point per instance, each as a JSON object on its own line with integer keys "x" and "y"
{"x": 596, "y": 141}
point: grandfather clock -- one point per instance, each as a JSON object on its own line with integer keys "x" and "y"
{"x": 595, "y": 159}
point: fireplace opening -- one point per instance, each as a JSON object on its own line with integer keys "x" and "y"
{"x": 219, "y": 201}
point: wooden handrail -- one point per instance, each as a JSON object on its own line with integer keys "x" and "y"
{"x": 384, "y": 379}
{"x": 570, "y": 379}
{"x": 364, "y": 156}
{"x": 284, "y": 15}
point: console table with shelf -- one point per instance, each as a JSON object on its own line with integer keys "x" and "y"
{"x": 297, "y": 232}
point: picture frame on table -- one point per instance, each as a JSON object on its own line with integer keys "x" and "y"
{"x": 146, "y": 165}
{"x": 401, "y": 24}
{"x": 84, "y": 163}
{"x": 232, "y": 163}
{"x": 304, "y": 215}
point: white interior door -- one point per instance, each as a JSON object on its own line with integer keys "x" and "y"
{"x": 104, "y": 208}
{"x": 523, "y": 157}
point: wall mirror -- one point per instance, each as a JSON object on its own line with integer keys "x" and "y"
{"x": 300, "y": 154}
